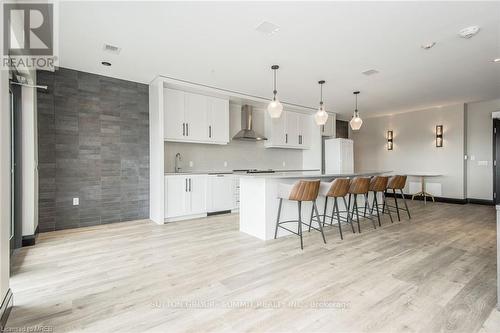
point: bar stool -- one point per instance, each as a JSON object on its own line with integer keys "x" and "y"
{"x": 301, "y": 191}
{"x": 337, "y": 189}
{"x": 397, "y": 182}
{"x": 378, "y": 184}
{"x": 360, "y": 186}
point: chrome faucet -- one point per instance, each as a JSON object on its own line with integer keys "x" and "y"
{"x": 178, "y": 159}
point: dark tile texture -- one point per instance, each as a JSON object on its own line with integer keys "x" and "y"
{"x": 93, "y": 143}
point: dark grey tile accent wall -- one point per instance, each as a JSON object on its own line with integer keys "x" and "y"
{"x": 93, "y": 137}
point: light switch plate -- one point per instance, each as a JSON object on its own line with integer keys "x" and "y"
{"x": 284, "y": 163}
{"x": 225, "y": 164}
{"x": 76, "y": 201}
{"x": 191, "y": 164}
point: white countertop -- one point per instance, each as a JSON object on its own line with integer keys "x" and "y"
{"x": 312, "y": 174}
{"x": 230, "y": 172}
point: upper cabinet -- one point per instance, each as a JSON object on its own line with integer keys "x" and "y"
{"x": 190, "y": 117}
{"x": 291, "y": 130}
{"x": 328, "y": 129}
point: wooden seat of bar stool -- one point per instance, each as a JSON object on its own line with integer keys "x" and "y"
{"x": 360, "y": 186}
{"x": 301, "y": 191}
{"x": 397, "y": 183}
{"x": 339, "y": 188}
{"x": 378, "y": 184}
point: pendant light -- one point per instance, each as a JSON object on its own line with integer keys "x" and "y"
{"x": 356, "y": 121}
{"x": 321, "y": 117}
{"x": 275, "y": 108}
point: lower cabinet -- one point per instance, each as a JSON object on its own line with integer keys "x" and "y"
{"x": 185, "y": 195}
{"x": 189, "y": 196}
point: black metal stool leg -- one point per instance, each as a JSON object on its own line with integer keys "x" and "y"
{"x": 406, "y": 206}
{"x": 349, "y": 220}
{"x": 278, "y": 218}
{"x": 373, "y": 202}
{"x": 376, "y": 206}
{"x": 396, "y": 201}
{"x": 383, "y": 207}
{"x": 299, "y": 204}
{"x": 324, "y": 210}
{"x": 357, "y": 211}
{"x": 319, "y": 223}
{"x": 336, "y": 206}
{"x": 311, "y": 220}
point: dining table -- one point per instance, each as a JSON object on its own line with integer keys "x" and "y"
{"x": 423, "y": 176}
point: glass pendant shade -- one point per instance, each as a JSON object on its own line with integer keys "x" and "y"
{"x": 356, "y": 122}
{"x": 321, "y": 117}
{"x": 275, "y": 108}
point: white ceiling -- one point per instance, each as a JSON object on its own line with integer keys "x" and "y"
{"x": 215, "y": 43}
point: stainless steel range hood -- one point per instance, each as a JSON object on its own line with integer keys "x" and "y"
{"x": 247, "y": 133}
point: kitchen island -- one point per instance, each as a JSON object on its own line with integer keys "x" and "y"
{"x": 259, "y": 200}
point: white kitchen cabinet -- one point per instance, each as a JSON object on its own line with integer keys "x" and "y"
{"x": 185, "y": 195}
{"x": 176, "y": 196}
{"x": 218, "y": 120}
{"x": 328, "y": 129}
{"x": 304, "y": 123}
{"x": 174, "y": 125}
{"x": 291, "y": 130}
{"x": 197, "y": 188}
{"x": 221, "y": 193}
{"x": 190, "y": 117}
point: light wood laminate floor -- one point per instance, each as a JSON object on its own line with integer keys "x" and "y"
{"x": 436, "y": 273}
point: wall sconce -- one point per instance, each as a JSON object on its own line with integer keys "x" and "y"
{"x": 389, "y": 140}
{"x": 439, "y": 135}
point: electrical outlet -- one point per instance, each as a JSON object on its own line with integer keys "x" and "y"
{"x": 225, "y": 164}
{"x": 191, "y": 164}
{"x": 284, "y": 163}
{"x": 76, "y": 201}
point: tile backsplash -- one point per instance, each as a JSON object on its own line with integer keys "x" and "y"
{"x": 236, "y": 154}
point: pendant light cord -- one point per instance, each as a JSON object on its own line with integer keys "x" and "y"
{"x": 274, "y": 91}
{"x": 321, "y": 95}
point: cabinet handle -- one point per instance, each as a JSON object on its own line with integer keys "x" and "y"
{"x": 187, "y": 129}
{"x": 189, "y": 184}
{"x": 210, "y": 131}
{"x": 183, "y": 129}
{"x": 186, "y": 181}
{"x": 286, "y": 138}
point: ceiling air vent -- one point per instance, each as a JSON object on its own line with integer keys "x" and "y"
{"x": 112, "y": 49}
{"x": 370, "y": 72}
{"x": 267, "y": 28}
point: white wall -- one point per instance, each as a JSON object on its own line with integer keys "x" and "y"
{"x": 480, "y": 149}
{"x": 414, "y": 146}
{"x": 4, "y": 183}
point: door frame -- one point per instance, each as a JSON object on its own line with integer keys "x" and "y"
{"x": 496, "y": 168}
{"x": 16, "y": 238}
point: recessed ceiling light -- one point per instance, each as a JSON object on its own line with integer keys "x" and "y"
{"x": 267, "y": 28}
{"x": 370, "y": 72}
{"x": 469, "y": 31}
{"x": 106, "y": 63}
{"x": 428, "y": 45}
{"x": 496, "y": 60}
